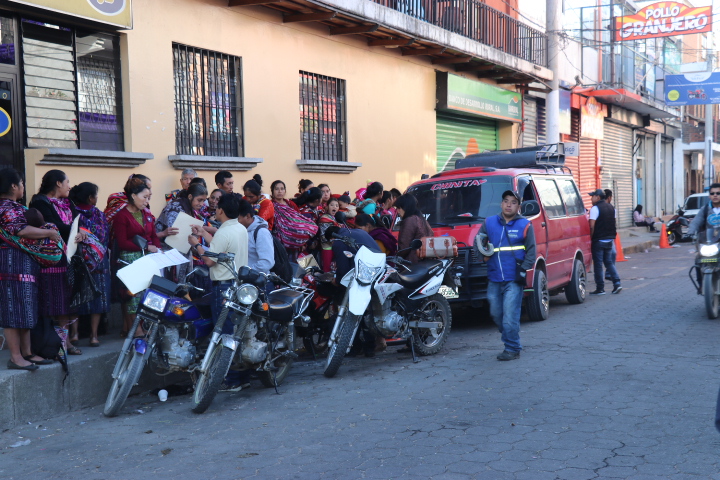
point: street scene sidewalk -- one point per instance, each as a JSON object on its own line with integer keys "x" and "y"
{"x": 622, "y": 386}
{"x": 89, "y": 379}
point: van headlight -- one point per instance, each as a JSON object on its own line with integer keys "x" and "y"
{"x": 709, "y": 250}
{"x": 155, "y": 301}
{"x": 247, "y": 294}
{"x": 366, "y": 273}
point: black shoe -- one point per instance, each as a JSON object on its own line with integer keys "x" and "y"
{"x": 44, "y": 361}
{"x": 598, "y": 291}
{"x": 617, "y": 289}
{"x": 14, "y": 366}
{"x": 506, "y": 355}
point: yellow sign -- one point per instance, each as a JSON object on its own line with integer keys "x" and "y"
{"x": 112, "y": 12}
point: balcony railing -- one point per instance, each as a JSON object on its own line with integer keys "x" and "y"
{"x": 479, "y": 22}
{"x": 693, "y": 134}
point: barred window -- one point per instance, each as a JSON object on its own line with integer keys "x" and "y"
{"x": 208, "y": 103}
{"x": 323, "y": 124}
{"x": 72, "y": 88}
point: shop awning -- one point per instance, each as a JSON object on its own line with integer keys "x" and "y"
{"x": 633, "y": 102}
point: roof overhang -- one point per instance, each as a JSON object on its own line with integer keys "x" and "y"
{"x": 632, "y": 101}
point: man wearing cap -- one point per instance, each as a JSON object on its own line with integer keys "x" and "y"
{"x": 507, "y": 243}
{"x": 602, "y": 233}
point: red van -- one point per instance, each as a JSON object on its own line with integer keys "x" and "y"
{"x": 456, "y": 203}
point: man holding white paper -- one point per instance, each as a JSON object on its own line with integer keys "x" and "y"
{"x": 231, "y": 237}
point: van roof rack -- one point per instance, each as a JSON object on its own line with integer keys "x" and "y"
{"x": 542, "y": 156}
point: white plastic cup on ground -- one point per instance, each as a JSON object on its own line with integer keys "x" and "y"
{"x": 162, "y": 395}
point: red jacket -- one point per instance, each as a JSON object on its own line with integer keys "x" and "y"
{"x": 125, "y": 227}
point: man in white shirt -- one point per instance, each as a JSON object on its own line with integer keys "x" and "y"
{"x": 231, "y": 237}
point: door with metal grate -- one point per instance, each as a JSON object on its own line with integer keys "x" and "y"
{"x": 459, "y": 136}
{"x": 529, "y": 136}
{"x": 617, "y": 174}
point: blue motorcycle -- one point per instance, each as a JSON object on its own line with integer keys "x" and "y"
{"x": 178, "y": 333}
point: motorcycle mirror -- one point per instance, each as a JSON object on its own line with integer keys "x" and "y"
{"x": 200, "y": 270}
{"x": 415, "y": 244}
{"x": 340, "y": 217}
{"x": 140, "y": 242}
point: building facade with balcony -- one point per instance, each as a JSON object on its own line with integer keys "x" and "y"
{"x": 337, "y": 91}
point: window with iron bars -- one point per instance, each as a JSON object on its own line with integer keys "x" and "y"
{"x": 208, "y": 102}
{"x": 323, "y": 120}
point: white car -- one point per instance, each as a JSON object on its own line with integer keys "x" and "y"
{"x": 694, "y": 203}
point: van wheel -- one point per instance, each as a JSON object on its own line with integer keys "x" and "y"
{"x": 538, "y": 303}
{"x": 576, "y": 291}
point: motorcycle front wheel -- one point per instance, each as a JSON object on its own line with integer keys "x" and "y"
{"x": 710, "y": 289}
{"x": 208, "y": 383}
{"x": 349, "y": 323}
{"x": 429, "y": 341}
{"x": 672, "y": 237}
{"x": 128, "y": 376}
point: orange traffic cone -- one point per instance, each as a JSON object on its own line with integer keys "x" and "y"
{"x": 663, "y": 238}
{"x": 620, "y": 256}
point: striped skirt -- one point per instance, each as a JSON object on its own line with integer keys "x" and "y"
{"x": 55, "y": 291}
{"x": 103, "y": 284}
{"x": 18, "y": 288}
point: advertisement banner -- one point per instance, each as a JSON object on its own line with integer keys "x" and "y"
{"x": 663, "y": 19}
{"x": 477, "y": 98}
{"x": 591, "y": 119}
{"x": 692, "y": 89}
{"x": 111, "y": 12}
{"x": 565, "y": 122}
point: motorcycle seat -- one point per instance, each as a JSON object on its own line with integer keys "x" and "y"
{"x": 284, "y": 304}
{"x": 418, "y": 273}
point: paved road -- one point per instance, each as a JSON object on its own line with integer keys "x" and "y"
{"x": 623, "y": 386}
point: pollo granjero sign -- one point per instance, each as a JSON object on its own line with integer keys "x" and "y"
{"x": 663, "y": 19}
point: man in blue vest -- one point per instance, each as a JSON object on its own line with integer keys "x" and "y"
{"x": 507, "y": 243}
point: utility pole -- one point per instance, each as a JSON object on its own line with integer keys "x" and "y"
{"x": 553, "y": 15}
{"x": 709, "y": 126}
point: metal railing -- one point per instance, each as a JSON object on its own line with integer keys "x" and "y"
{"x": 693, "y": 134}
{"x": 474, "y": 19}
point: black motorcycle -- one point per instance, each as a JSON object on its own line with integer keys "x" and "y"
{"x": 676, "y": 227}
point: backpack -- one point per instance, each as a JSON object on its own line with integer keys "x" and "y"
{"x": 282, "y": 261}
{"x": 45, "y": 342}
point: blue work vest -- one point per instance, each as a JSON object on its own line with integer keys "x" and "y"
{"x": 509, "y": 243}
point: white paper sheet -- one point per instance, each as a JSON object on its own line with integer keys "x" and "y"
{"x": 138, "y": 275}
{"x": 72, "y": 246}
{"x": 183, "y": 223}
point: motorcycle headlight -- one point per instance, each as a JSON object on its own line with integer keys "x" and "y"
{"x": 709, "y": 250}
{"x": 247, "y": 294}
{"x": 155, "y": 301}
{"x": 366, "y": 273}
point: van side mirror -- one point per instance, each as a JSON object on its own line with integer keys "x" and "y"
{"x": 140, "y": 242}
{"x": 415, "y": 244}
{"x": 530, "y": 208}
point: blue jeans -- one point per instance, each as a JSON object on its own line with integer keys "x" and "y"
{"x": 602, "y": 255}
{"x": 505, "y": 304}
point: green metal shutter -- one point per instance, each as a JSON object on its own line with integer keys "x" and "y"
{"x": 457, "y": 136}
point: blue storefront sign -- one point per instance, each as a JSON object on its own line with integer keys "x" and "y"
{"x": 692, "y": 89}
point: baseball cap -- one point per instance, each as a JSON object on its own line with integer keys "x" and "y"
{"x": 599, "y": 192}
{"x": 511, "y": 192}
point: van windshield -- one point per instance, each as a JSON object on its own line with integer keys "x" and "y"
{"x": 460, "y": 201}
{"x": 696, "y": 203}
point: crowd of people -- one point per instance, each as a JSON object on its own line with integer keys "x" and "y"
{"x": 37, "y": 281}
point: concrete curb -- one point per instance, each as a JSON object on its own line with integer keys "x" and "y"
{"x": 31, "y": 396}
{"x": 640, "y": 247}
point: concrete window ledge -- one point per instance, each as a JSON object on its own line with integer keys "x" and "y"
{"x": 92, "y": 158}
{"x": 203, "y": 162}
{"x": 324, "y": 166}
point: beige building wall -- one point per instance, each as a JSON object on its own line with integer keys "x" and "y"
{"x": 390, "y": 98}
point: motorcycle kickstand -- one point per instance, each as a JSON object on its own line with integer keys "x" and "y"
{"x": 412, "y": 349}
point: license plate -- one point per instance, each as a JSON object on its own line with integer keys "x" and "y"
{"x": 448, "y": 292}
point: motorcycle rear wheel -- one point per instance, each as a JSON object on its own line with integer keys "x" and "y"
{"x": 429, "y": 341}
{"x": 283, "y": 365}
{"x": 339, "y": 349}
{"x": 712, "y": 300}
{"x": 208, "y": 383}
{"x": 128, "y": 376}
